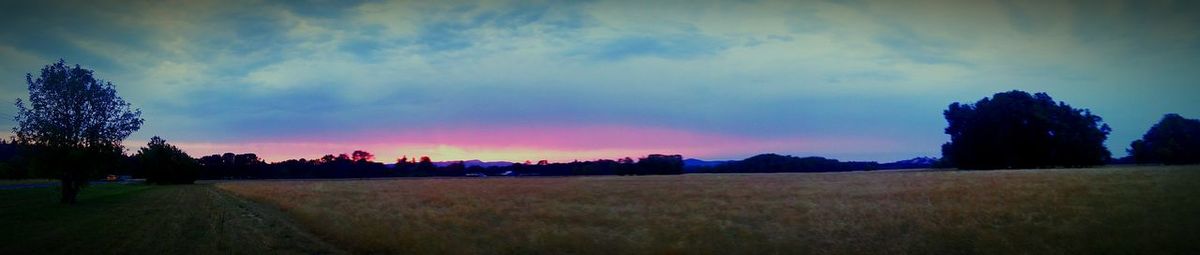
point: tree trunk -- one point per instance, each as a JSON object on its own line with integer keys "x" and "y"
{"x": 70, "y": 188}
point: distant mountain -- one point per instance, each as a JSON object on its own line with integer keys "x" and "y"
{"x": 474, "y": 162}
{"x": 918, "y": 162}
{"x": 692, "y": 163}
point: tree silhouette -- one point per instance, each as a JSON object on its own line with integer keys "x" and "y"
{"x": 425, "y": 167}
{"x": 12, "y": 161}
{"x": 775, "y": 163}
{"x": 163, "y": 163}
{"x": 1017, "y": 130}
{"x": 660, "y": 164}
{"x": 76, "y": 122}
{"x": 359, "y": 155}
{"x": 1174, "y": 140}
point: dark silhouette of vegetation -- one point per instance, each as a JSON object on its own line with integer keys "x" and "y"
{"x": 654, "y": 164}
{"x": 425, "y": 167}
{"x": 162, "y": 163}
{"x": 775, "y": 163}
{"x": 1015, "y": 130}
{"x": 1174, "y": 140}
{"x": 250, "y": 166}
{"x": 230, "y": 165}
{"x": 356, "y": 165}
{"x": 13, "y": 164}
{"x": 362, "y": 156}
{"x": 658, "y": 164}
{"x": 73, "y": 125}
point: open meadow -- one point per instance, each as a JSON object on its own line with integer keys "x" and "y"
{"x": 1143, "y": 210}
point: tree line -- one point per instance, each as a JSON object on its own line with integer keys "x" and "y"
{"x": 359, "y": 164}
{"x": 1018, "y": 130}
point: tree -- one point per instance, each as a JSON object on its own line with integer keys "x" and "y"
{"x": 1174, "y": 140}
{"x": 424, "y": 167}
{"x": 359, "y": 155}
{"x": 660, "y": 164}
{"x": 163, "y": 163}
{"x": 1017, "y": 130}
{"x": 456, "y": 168}
{"x": 76, "y": 122}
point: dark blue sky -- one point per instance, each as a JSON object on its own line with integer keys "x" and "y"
{"x": 495, "y": 80}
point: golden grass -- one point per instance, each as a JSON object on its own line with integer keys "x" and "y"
{"x": 1078, "y": 211}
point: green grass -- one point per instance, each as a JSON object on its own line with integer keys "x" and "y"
{"x": 1140, "y": 210}
{"x": 141, "y": 219}
{"x": 4, "y": 182}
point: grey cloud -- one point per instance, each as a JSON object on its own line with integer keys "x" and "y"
{"x": 668, "y": 46}
{"x": 919, "y": 48}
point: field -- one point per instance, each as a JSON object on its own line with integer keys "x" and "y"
{"x": 1079, "y": 211}
{"x": 26, "y": 182}
{"x": 1142, "y": 210}
{"x": 141, "y": 219}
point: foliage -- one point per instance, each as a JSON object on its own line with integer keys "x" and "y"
{"x": 356, "y": 165}
{"x": 1174, "y": 140}
{"x": 229, "y": 165}
{"x": 1017, "y": 130}
{"x": 75, "y": 122}
{"x": 660, "y": 164}
{"x": 13, "y": 164}
{"x": 775, "y": 163}
{"x": 359, "y": 155}
{"x": 163, "y": 163}
{"x": 250, "y": 166}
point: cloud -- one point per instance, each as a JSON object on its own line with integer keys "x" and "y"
{"x": 919, "y": 48}
{"x": 678, "y": 46}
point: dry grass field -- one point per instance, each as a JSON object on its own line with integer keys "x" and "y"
{"x": 1144, "y": 210}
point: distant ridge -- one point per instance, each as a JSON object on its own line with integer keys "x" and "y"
{"x": 918, "y": 162}
{"x": 474, "y": 162}
{"x": 692, "y": 162}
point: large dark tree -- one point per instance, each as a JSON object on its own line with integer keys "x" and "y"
{"x": 163, "y": 163}
{"x": 1174, "y": 140}
{"x": 76, "y": 122}
{"x": 1017, "y": 130}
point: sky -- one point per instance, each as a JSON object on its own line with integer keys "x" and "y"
{"x": 584, "y": 80}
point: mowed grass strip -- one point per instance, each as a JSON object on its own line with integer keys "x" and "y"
{"x": 1142, "y": 210}
{"x": 142, "y": 219}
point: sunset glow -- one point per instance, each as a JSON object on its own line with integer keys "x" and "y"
{"x": 549, "y": 143}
